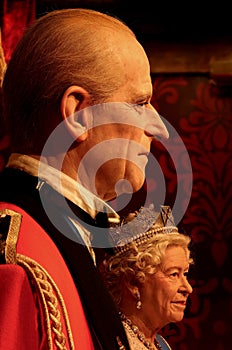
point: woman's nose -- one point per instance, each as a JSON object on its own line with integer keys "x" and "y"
{"x": 186, "y": 286}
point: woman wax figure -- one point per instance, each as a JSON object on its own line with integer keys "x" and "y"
{"x": 146, "y": 271}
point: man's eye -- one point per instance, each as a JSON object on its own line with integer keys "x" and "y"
{"x": 143, "y": 103}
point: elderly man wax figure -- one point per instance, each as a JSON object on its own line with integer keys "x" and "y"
{"x": 77, "y": 94}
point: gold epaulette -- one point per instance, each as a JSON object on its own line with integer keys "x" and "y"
{"x": 51, "y": 299}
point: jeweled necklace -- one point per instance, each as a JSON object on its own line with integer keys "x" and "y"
{"x": 139, "y": 334}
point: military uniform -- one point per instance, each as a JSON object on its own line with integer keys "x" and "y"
{"x": 51, "y": 291}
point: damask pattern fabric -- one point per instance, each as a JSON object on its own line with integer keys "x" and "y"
{"x": 17, "y": 16}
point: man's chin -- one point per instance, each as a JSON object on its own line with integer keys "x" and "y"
{"x": 123, "y": 186}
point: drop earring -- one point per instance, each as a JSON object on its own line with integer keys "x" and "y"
{"x": 138, "y": 303}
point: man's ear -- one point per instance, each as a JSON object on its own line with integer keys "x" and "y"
{"x": 74, "y": 99}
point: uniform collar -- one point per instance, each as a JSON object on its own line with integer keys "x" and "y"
{"x": 64, "y": 185}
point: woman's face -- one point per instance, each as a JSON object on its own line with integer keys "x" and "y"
{"x": 164, "y": 294}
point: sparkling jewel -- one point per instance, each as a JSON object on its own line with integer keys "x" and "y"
{"x": 139, "y": 334}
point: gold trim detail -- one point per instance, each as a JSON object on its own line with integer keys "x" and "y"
{"x": 13, "y": 232}
{"x": 49, "y": 293}
{"x": 50, "y": 297}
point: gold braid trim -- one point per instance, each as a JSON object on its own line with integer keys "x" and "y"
{"x": 49, "y": 292}
{"x": 12, "y": 236}
{"x": 50, "y": 297}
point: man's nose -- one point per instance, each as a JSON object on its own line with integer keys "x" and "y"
{"x": 156, "y": 127}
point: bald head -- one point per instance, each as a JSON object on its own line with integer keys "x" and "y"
{"x": 63, "y": 48}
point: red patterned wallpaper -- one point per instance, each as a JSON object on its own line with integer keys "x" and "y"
{"x": 16, "y": 17}
{"x": 204, "y": 121}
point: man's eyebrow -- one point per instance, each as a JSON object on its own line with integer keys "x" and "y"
{"x": 142, "y": 97}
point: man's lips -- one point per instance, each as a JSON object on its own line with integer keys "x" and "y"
{"x": 180, "y": 302}
{"x": 144, "y": 154}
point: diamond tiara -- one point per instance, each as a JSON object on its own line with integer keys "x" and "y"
{"x": 145, "y": 224}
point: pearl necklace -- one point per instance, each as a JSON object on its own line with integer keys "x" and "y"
{"x": 139, "y": 334}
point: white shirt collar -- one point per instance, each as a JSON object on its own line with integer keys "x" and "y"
{"x": 70, "y": 189}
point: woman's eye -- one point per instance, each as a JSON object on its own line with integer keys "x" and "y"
{"x": 174, "y": 274}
